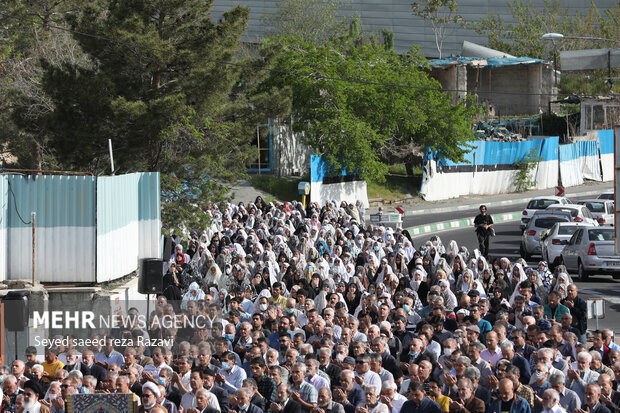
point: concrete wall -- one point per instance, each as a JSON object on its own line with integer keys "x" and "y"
{"x": 512, "y": 90}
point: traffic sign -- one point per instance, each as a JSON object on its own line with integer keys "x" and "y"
{"x": 559, "y": 191}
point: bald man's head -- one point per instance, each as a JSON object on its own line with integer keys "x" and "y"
{"x": 506, "y": 390}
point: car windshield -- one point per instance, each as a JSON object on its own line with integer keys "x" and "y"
{"x": 541, "y": 203}
{"x": 548, "y": 222}
{"x": 573, "y": 212}
{"x": 567, "y": 230}
{"x": 601, "y": 234}
{"x": 606, "y": 196}
{"x": 595, "y": 206}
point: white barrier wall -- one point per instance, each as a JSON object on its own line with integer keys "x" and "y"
{"x": 488, "y": 169}
{"x": 606, "y": 148}
{"x": 342, "y": 187}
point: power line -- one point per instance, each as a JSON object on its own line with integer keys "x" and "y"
{"x": 15, "y": 205}
{"x": 279, "y": 71}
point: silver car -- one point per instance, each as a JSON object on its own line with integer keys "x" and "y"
{"x": 540, "y": 221}
{"x": 553, "y": 241}
{"x": 591, "y": 250}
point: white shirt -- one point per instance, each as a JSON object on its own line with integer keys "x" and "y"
{"x": 555, "y": 409}
{"x": 189, "y": 400}
{"x": 36, "y": 408}
{"x": 371, "y": 379}
{"x": 397, "y": 402}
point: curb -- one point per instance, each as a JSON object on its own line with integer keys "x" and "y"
{"x": 490, "y": 204}
{"x": 469, "y": 222}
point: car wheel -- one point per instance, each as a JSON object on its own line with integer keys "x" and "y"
{"x": 616, "y": 276}
{"x": 524, "y": 253}
{"x": 581, "y": 271}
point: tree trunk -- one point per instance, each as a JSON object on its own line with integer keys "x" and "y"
{"x": 36, "y": 155}
{"x": 409, "y": 168}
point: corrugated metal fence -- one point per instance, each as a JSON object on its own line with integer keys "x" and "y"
{"x": 88, "y": 229}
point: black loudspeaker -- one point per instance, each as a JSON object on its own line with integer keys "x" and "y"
{"x": 16, "y": 310}
{"x": 151, "y": 276}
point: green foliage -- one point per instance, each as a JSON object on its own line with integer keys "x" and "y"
{"x": 283, "y": 189}
{"x": 523, "y": 36}
{"x": 352, "y": 98}
{"x": 592, "y": 83}
{"x": 315, "y": 21}
{"x": 28, "y": 38}
{"x": 153, "y": 81}
{"x": 442, "y": 14}
{"x": 524, "y": 178}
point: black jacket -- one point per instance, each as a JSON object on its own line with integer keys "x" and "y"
{"x": 579, "y": 311}
{"x": 174, "y": 395}
{"x": 222, "y": 397}
{"x": 83, "y": 368}
{"x": 291, "y": 407}
{"x": 333, "y": 372}
{"x": 99, "y": 373}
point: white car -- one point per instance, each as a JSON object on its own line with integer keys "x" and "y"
{"x": 539, "y": 203}
{"x": 602, "y": 209}
{"x": 553, "y": 241}
{"x": 607, "y": 195}
{"x": 591, "y": 250}
{"x": 540, "y": 223}
{"x": 580, "y": 213}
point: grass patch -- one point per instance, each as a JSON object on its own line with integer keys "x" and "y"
{"x": 399, "y": 169}
{"x": 395, "y": 187}
{"x": 280, "y": 188}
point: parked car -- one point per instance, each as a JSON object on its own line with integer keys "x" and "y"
{"x": 591, "y": 250}
{"x": 602, "y": 210}
{"x": 607, "y": 195}
{"x": 540, "y": 221}
{"x": 553, "y": 241}
{"x": 539, "y": 203}
{"x": 580, "y": 213}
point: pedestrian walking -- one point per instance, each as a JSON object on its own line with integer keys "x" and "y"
{"x": 484, "y": 229}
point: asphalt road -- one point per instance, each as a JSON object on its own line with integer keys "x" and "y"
{"x": 421, "y": 219}
{"x": 506, "y": 244}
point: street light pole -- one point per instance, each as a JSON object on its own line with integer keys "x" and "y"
{"x": 559, "y": 36}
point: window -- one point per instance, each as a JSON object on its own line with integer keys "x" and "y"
{"x": 579, "y": 236}
{"x": 540, "y": 203}
{"x": 567, "y": 230}
{"x": 601, "y": 234}
{"x": 548, "y": 222}
{"x": 595, "y": 206}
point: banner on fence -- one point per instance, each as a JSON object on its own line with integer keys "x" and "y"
{"x": 490, "y": 168}
{"x": 579, "y": 161}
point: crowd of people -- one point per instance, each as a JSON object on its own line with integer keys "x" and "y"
{"x": 314, "y": 310}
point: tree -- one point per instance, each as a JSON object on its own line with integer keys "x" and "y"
{"x": 162, "y": 88}
{"x": 351, "y": 99}
{"x": 315, "y": 21}
{"x": 441, "y": 14}
{"x": 28, "y": 38}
